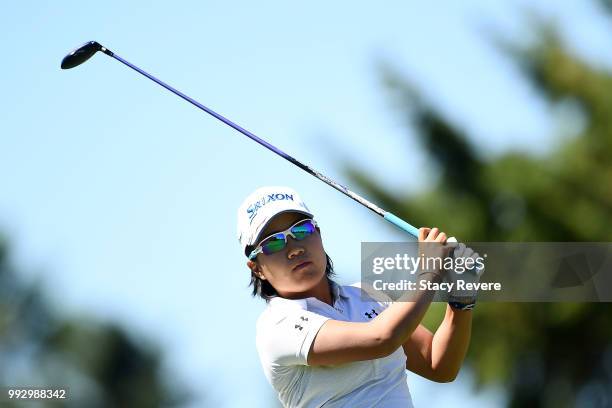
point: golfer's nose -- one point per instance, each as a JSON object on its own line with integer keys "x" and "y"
{"x": 294, "y": 248}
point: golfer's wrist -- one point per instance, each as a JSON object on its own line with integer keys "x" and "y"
{"x": 462, "y": 305}
{"x": 431, "y": 276}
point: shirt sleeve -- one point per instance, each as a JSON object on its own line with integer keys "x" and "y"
{"x": 284, "y": 338}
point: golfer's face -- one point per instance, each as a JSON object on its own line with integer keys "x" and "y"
{"x": 300, "y": 265}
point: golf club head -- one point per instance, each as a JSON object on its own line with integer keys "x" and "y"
{"x": 81, "y": 54}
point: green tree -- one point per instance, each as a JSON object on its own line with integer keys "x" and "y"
{"x": 101, "y": 364}
{"x": 543, "y": 354}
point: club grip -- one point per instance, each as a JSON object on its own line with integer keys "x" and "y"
{"x": 398, "y": 222}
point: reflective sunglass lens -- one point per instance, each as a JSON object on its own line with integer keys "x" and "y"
{"x": 303, "y": 230}
{"x": 278, "y": 241}
{"x": 273, "y": 244}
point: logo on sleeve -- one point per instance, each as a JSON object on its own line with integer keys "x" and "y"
{"x": 299, "y": 324}
{"x": 372, "y": 314}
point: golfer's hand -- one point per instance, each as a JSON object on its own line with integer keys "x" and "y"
{"x": 464, "y": 256}
{"x": 432, "y": 245}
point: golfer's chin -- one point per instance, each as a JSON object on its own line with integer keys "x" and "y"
{"x": 308, "y": 273}
{"x": 305, "y": 280}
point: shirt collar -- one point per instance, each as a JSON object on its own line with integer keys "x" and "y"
{"x": 337, "y": 291}
{"x": 281, "y": 301}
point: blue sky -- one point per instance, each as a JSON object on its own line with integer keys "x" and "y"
{"x": 121, "y": 199}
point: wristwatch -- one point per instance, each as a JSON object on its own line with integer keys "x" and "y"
{"x": 462, "y": 306}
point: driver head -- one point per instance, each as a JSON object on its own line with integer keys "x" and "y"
{"x": 81, "y": 54}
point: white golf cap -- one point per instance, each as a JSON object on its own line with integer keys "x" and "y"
{"x": 261, "y": 206}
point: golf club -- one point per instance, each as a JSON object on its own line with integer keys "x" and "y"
{"x": 87, "y": 50}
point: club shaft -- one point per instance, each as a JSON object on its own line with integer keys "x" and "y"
{"x": 385, "y": 214}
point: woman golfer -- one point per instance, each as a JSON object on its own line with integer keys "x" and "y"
{"x": 319, "y": 343}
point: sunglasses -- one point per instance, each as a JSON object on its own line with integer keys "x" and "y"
{"x": 278, "y": 241}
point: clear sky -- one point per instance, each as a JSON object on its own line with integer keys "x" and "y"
{"x": 121, "y": 198}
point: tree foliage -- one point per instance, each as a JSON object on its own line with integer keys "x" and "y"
{"x": 100, "y": 363}
{"x": 543, "y": 354}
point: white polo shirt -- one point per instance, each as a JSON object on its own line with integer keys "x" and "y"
{"x": 285, "y": 332}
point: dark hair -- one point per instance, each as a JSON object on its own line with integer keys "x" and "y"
{"x": 266, "y": 291}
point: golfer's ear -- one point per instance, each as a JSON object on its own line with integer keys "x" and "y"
{"x": 256, "y": 269}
